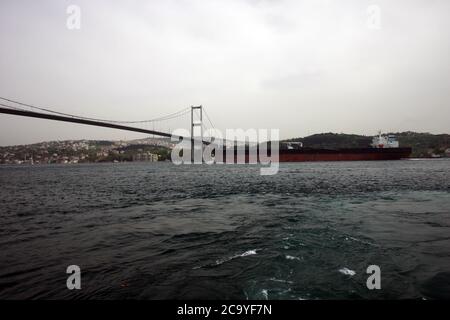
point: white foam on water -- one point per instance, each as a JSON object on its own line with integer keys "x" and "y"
{"x": 362, "y": 241}
{"x": 245, "y": 254}
{"x": 347, "y": 272}
{"x": 265, "y": 294}
{"x": 248, "y": 253}
{"x": 281, "y": 280}
{"x": 221, "y": 261}
{"x": 292, "y": 258}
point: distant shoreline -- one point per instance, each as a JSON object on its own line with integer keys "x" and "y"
{"x": 424, "y": 146}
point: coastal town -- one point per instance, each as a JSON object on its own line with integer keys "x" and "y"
{"x": 87, "y": 151}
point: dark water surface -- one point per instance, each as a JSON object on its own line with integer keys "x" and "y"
{"x": 156, "y": 230}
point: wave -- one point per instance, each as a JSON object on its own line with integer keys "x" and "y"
{"x": 222, "y": 261}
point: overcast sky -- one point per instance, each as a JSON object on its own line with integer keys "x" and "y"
{"x": 301, "y": 66}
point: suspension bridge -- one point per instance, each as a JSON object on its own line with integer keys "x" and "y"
{"x": 17, "y": 108}
{"x": 240, "y": 150}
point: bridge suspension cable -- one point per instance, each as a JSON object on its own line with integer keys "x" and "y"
{"x": 162, "y": 118}
{"x": 209, "y": 119}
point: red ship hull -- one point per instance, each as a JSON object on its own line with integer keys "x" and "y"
{"x": 351, "y": 154}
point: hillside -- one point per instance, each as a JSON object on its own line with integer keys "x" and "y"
{"x": 79, "y": 151}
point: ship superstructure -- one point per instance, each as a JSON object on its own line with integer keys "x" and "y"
{"x": 385, "y": 141}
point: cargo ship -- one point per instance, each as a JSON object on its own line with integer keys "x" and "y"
{"x": 382, "y": 148}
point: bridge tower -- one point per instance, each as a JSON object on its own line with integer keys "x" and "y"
{"x": 196, "y": 123}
